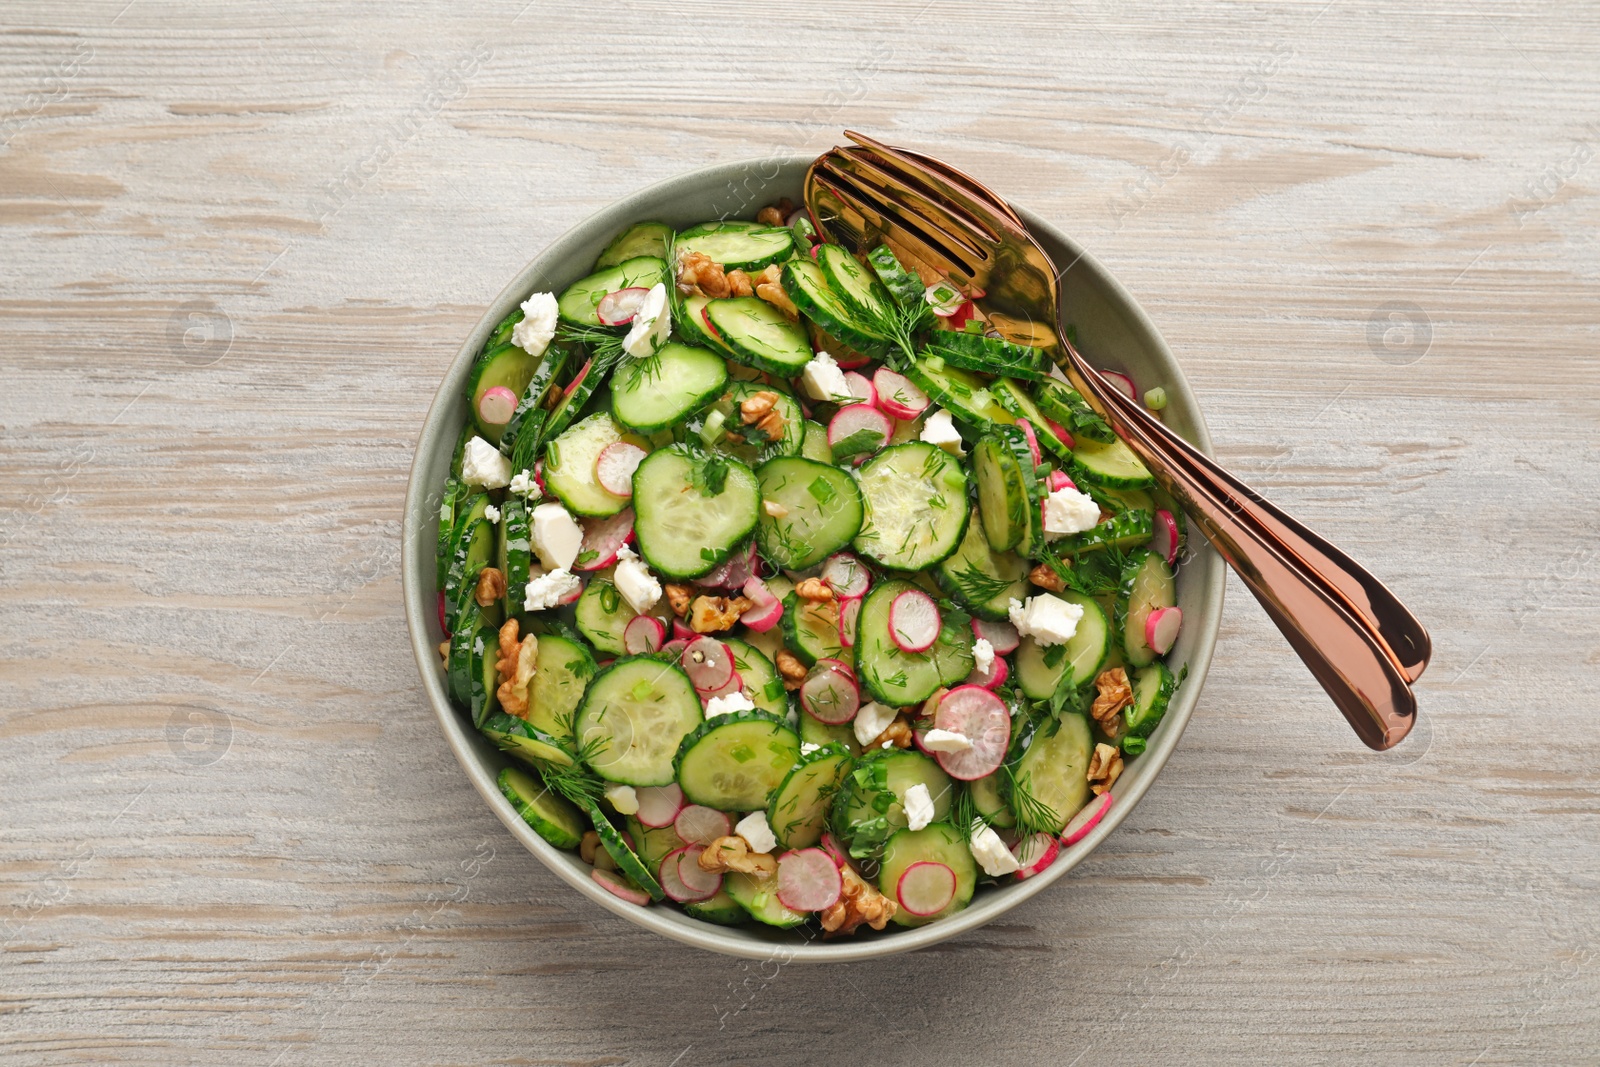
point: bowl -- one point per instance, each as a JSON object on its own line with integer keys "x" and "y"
{"x": 1113, "y": 332}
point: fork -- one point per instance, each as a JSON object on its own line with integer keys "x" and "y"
{"x": 1360, "y": 642}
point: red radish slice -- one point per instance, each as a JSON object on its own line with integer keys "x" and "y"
{"x": 710, "y": 327}
{"x": 849, "y": 620}
{"x": 1033, "y": 441}
{"x": 614, "y": 885}
{"x": 1166, "y": 539}
{"x": 693, "y": 876}
{"x": 1161, "y": 628}
{"x": 899, "y": 395}
{"x": 861, "y": 388}
{"x": 808, "y": 880}
{"x": 1059, "y": 481}
{"x": 681, "y": 632}
{"x": 733, "y": 572}
{"x": 708, "y": 663}
{"x": 618, "y": 308}
{"x": 1061, "y": 433}
{"x": 583, "y": 372}
{"x": 700, "y": 825}
{"x": 572, "y": 597}
{"x": 1002, "y": 635}
{"x": 614, "y": 467}
{"x": 1087, "y": 818}
{"x": 847, "y": 360}
{"x": 659, "y": 804}
{"x": 914, "y": 621}
{"x": 1035, "y": 852}
{"x": 926, "y": 888}
{"x": 846, "y": 575}
{"x": 964, "y": 314}
{"x": 854, "y": 418}
{"x": 830, "y": 693}
{"x": 605, "y": 538}
{"x": 766, "y": 610}
{"x": 993, "y": 678}
{"x": 673, "y": 884}
{"x": 497, "y": 405}
{"x": 1123, "y": 383}
{"x": 538, "y": 475}
{"x": 442, "y": 626}
{"x": 674, "y": 648}
{"x": 831, "y": 847}
{"x": 982, "y": 718}
{"x": 732, "y": 685}
{"x": 643, "y": 634}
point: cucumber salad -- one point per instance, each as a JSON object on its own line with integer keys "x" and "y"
{"x": 797, "y": 593}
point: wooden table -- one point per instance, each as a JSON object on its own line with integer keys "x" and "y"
{"x": 241, "y": 245}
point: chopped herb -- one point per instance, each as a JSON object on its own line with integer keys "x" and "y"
{"x": 821, "y": 491}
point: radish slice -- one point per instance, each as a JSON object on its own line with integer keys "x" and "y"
{"x": 926, "y": 888}
{"x": 700, "y": 825}
{"x": 604, "y": 537}
{"x": 614, "y": 885}
{"x": 1035, "y": 852}
{"x": 849, "y": 620}
{"x": 659, "y": 804}
{"x": 674, "y": 648}
{"x": 993, "y": 678}
{"x": 1061, "y": 433}
{"x": 644, "y": 634}
{"x": 1165, "y": 541}
{"x": 732, "y": 685}
{"x": 861, "y": 388}
{"x": 831, "y": 847}
{"x": 672, "y": 882}
{"x": 1086, "y": 819}
{"x": 846, "y": 575}
{"x": 964, "y": 314}
{"x": 860, "y": 418}
{"x": 830, "y": 694}
{"x": 442, "y": 626}
{"x": 808, "y": 880}
{"x": 693, "y": 876}
{"x": 766, "y": 610}
{"x": 1123, "y": 383}
{"x": 618, "y": 308}
{"x": 1059, "y": 481}
{"x": 708, "y": 663}
{"x": 681, "y": 632}
{"x": 982, "y": 718}
{"x": 898, "y": 395}
{"x": 497, "y": 405}
{"x": 614, "y": 467}
{"x": 583, "y": 372}
{"x": 1033, "y": 441}
{"x": 1161, "y": 629}
{"x": 944, "y": 298}
{"x": 914, "y": 621}
{"x": 538, "y": 476}
{"x": 1002, "y": 635}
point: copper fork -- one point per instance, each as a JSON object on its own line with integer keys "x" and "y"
{"x": 1360, "y": 642}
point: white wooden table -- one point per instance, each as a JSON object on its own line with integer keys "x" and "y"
{"x": 241, "y": 244}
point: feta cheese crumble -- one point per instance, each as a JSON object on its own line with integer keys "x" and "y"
{"x": 1047, "y": 619}
{"x": 483, "y": 465}
{"x": 919, "y": 807}
{"x": 538, "y": 326}
{"x": 551, "y": 589}
{"x": 1067, "y": 511}
{"x": 623, "y": 798}
{"x": 940, "y": 432}
{"x": 634, "y": 581}
{"x": 727, "y": 705}
{"x": 491, "y": 513}
{"x": 806, "y": 748}
{"x": 556, "y": 536}
{"x": 937, "y": 740}
{"x": 754, "y": 829}
{"x": 823, "y": 380}
{"x": 991, "y": 852}
{"x": 522, "y": 484}
{"x": 651, "y": 324}
{"x": 872, "y": 720}
{"x": 983, "y": 655}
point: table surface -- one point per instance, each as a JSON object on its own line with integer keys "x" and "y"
{"x": 242, "y": 244}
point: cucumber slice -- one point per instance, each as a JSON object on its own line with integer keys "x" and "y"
{"x": 916, "y": 506}
{"x": 627, "y": 860}
{"x": 1153, "y": 687}
{"x": 652, "y": 843}
{"x": 759, "y": 898}
{"x": 759, "y": 335}
{"x": 636, "y": 713}
{"x": 983, "y": 580}
{"x": 815, "y": 446}
{"x": 761, "y": 681}
{"x": 821, "y": 511}
{"x": 507, "y": 365}
{"x": 1147, "y": 584}
{"x": 870, "y": 804}
{"x": 1004, "y": 503}
{"x": 936, "y": 843}
{"x": 734, "y": 762}
{"x": 736, "y": 244}
{"x": 899, "y": 678}
{"x": 552, "y": 817}
{"x": 748, "y": 444}
{"x": 573, "y": 399}
{"x": 526, "y": 742}
{"x": 988, "y": 801}
{"x": 907, "y": 288}
{"x": 569, "y": 467}
{"x": 565, "y": 668}
{"x": 1122, "y": 500}
{"x": 458, "y": 661}
{"x": 719, "y": 908}
{"x": 578, "y": 303}
{"x": 684, "y": 529}
{"x": 813, "y": 732}
{"x": 1053, "y": 769}
{"x": 799, "y": 808}
{"x": 474, "y": 544}
{"x": 862, "y": 293}
{"x": 1130, "y": 529}
{"x": 522, "y": 435}
{"x": 992, "y": 355}
{"x": 1042, "y": 670}
{"x": 811, "y": 629}
{"x": 603, "y": 615}
{"x": 808, "y": 287}
{"x": 451, "y": 498}
{"x": 502, "y": 332}
{"x": 651, "y": 394}
{"x": 516, "y": 552}
{"x": 1065, "y": 405}
{"x": 640, "y": 239}
{"x": 483, "y": 679}
{"x": 1112, "y": 465}
{"x": 1013, "y": 399}
{"x": 959, "y": 392}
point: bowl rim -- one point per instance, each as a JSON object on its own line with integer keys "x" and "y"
{"x": 420, "y": 610}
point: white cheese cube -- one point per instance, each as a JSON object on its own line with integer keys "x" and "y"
{"x": 939, "y": 431}
{"x": 991, "y": 852}
{"x": 871, "y": 720}
{"x": 483, "y": 465}
{"x": 556, "y": 536}
{"x": 937, "y": 740}
{"x": 651, "y": 324}
{"x": 634, "y": 581}
{"x": 823, "y": 380}
{"x": 492, "y": 513}
{"x": 538, "y": 326}
{"x": 919, "y": 807}
{"x": 1067, "y": 511}
{"x": 757, "y": 834}
{"x": 1047, "y": 619}
{"x": 727, "y": 705}
{"x": 982, "y": 655}
{"x": 551, "y": 589}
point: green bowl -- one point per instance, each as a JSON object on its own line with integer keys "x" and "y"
{"x": 1113, "y": 332}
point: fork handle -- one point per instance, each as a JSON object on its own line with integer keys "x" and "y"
{"x": 1343, "y": 649}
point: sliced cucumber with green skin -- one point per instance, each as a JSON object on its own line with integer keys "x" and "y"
{"x": 1147, "y": 584}
{"x": 652, "y": 843}
{"x": 508, "y": 366}
{"x": 473, "y": 545}
{"x": 959, "y": 392}
{"x": 1042, "y": 670}
{"x": 1012, "y": 397}
{"x": 736, "y": 244}
{"x": 652, "y": 394}
{"x": 640, "y": 239}
{"x": 906, "y": 287}
{"x": 1054, "y": 768}
{"x": 861, "y": 292}
{"x": 628, "y": 861}
{"x": 799, "y": 808}
{"x": 936, "y": 843}
{"x": 992, "y": 355}
{"x": 502, "y": 331}
{"x": 579, "y": 302}
{"x": 526, "y": 742}
{"x": 1003, "y": 499}
{"x": 565, "y": 668}
{"x": 451, "y": 498}
{"x": 808, "y": 287}
{"x": 1127, "y": 530}
{"x": 898, "y": 678}
{"x": 870, "y": 803}
{"x": 815, "y": 446}
{"x": 603, "y": 615}
{"x": 983, "y": 580}
{"x": 989, "y": 802}
{"x": 637, "y": 712}
{"x": 916, "y": 506}
{"x": 761, "y": 681}
{"x": 719, "y": 908}
{"x": 552, "y": 817}
{"x": 483, "y": 679}
{"x": 573, "y": 399}
{"x": 759, "y": 898}
{"x": 754, "y": 447}
{"x": 516, "y": 552}
{"x": 733, "y": 762}
{"x": 1153, "y": 687}
{"x": 569, "y": 467}
{"x": 458, "y": 661}
{"x": 1112, "y": 465}
{"x": 1066, "y": 406}
{"x": 683, "y": 531}
{"x": 958, "y": 357}
{"x": 811, "y": 629}
{"x": 820, "y": 511}
{"x": 759, "y": 335}
{"x": 520, "y": 441}
{"x": 813, "y": 732}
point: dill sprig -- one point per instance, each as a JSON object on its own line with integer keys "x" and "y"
{"x": 575, "y": 781}
{"x": 1032, "y": 813}
{"x": 979, "y": 587}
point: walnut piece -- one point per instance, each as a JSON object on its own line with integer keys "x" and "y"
{"x": 699, "y": 273}
{"x": 739, "y": 283}
{"x": 858, "y": 903}
{"x": 770, "y": 216}
{"x": 1115, "y": 694}
{"x": 444, "y": 652}
{"x": 516, "y": 664}
{"x": 491, "y": 586}
{"x": 814, "y": 590}
{"x": 769, "y": 287}
{"x": 732, "y": 853}
{"x": 759, "y": 411}
{"x": 1045, "y": 577}
{"x": 589, "y": 846}
{"x": 1104, "y": 767}
{"x": 678, "y": 597}
{"x": 790, "y": 669}
{"x": 713, "y": 614}
{"x": 931, "y": 706}
{"x": 897, "y": 733}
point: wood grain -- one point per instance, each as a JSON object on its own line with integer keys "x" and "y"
{"x": 241, "y": 245}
